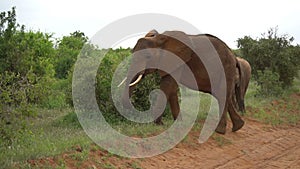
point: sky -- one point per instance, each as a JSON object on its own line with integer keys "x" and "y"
{"x": 226, "y": 19}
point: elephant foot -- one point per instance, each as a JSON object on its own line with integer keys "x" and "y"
{"x": 237, "y": 125}
{"x": 221, "y": 129}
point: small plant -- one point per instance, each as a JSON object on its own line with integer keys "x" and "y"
{"x": 68, "y": 121}
{"x": 135, "y": 165}
{"x": 108, "y": 166}
{"x": 221, "y": 141}
{"x": 80, "y": 156}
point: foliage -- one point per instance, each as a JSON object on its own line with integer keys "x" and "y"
{"x": 67, "y": 51}
{"x": 68, "y": 121}
{"x": 56, "y": 90}
{"x": 22, "y": 51}
{"x": 269, "y": 83}
{"x": 26, "y": 74}
{"x": 271, "y": 53}
{"x": 103, "y": 82}
{"x": 15, "y": 94}
{"x": 50, "y": 133}
{"x": 276, "y": 110}
{"x": 140, "y": 95}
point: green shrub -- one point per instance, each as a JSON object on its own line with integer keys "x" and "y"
{"x": 68, "y": 49}
{"x": 269, "y": 83}
{"x": 272, "y": 55}
{"x": 56, "y": 94}
{"x": 103, "y": 84}
{"x": 15, "y": 96}
{"x": 140, "y": 97}
{"x": 69, "y": 120}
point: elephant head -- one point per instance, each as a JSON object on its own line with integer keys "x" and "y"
{"x": 153, "y": 51}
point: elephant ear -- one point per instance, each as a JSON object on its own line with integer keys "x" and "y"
{"x": 144, "y": 40}
{"x": 152, "y": 33}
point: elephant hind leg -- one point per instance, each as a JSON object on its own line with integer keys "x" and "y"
{"x": 221, "y": 128}
{"x": 237, "y": 122}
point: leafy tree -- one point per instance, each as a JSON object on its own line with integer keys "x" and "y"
{"x": 271, "y": 52}
{"x": 8, "y": 29}
{"x": 22, "y": 51}
{"x": 26, "y": 70}
{"x": 67, "y": 51}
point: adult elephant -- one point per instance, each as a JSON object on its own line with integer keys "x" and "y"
{"x": 243, "y": 76}
{"x": 192, "y": 50}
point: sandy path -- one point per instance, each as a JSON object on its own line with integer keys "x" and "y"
{"x": 255, "y": 146}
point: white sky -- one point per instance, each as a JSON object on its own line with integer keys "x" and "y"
{"x": 227, "y": 19}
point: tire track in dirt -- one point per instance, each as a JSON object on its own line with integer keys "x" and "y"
{"x": 255, "y": 146}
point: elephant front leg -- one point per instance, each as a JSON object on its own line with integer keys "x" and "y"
{"x": 158, "y": 121}
{"x": 158, "y": 109}
{"x": 169, "y": 86}
{"x": 174, "y": 105}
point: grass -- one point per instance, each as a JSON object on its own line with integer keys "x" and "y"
{"x": 44, "y": 138}
{"x": 135, "y": 165}
{"x": 221, "y": 140}
{"x": 56, "y": 131}
{"x": 279, "y": 110}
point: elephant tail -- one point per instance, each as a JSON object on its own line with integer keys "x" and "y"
{"x": 238, "y": 89}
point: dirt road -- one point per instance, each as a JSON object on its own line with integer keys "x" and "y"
{"x": 255, "y": 146}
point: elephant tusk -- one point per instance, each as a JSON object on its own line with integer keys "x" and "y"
{"x": 122, "y": 81}
{"x": 137, "y": 80}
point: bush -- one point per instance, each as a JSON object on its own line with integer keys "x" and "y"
{"x": 15, "y": 95}
{"x": 67, "y": 52}
{"x": 68, "y": 121}
{"x": 269, "y": 83}
{"x": 104, "y": 79}
{"x": 272, "y": 55}
{"x": 140, "y": 97}
{"x": 56, "y": 90}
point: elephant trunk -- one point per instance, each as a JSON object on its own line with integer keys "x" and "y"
{"x": 130, "y": 86}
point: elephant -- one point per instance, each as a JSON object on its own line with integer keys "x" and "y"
{"x": 184, "y": 46}
{"x": 243, "y": 76}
